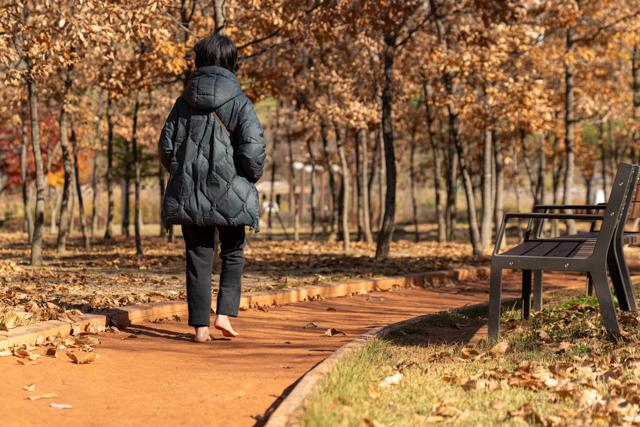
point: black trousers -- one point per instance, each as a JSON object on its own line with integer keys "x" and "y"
{"x": 199, "y": 246}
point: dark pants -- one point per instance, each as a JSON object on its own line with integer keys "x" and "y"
{"x": 199, "y": 246}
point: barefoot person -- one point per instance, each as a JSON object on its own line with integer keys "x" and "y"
{"x": 212, "y": 144}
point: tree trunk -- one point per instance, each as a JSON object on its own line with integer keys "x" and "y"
{"x": 300, "y": 207}
{"x": 295, "y": 212}
{"x": 413, "y": 179}
{"x": 375, "y": 161}
{"x": 358, "y": 190}
{"x": 542, "y": 166}
{"x": 454, "y": 129}
{"x": 452, "y": 191}
{"x": 385, "y": 235}
{"x": 557, "y": 168}
{"x": 635, "y": 103}
{"x": 36, "y": 242}
{"x": 363, "y": 190}
{"x": 381, "y": 179}
{"x": 24, "y": 172}
{"x": 438, "y": 182}
{"x": 569, "y": 124}
{"x": 273, "y": 176}
{"x": 219, "y": 15}
{"x": 76, "y": 170}
{"x": 498, "y": 158}
{"x": 68, "y": 176}
{"x": 137, "y": 178}
{"x": 124, "y": 193}
{"x": 516, "y": 183}
{"x": 588, "y": 180}
{"x": 313, "y": 189}
{"x": 332, "y": 183}
{"x": 108, "y": 233}
{"x": 72, "y": 210}
{"x": 346, "y": 176}
{"x": 487, "y": 196}
{"x": 603, "y": 158}
{"x": 94, "y": 195}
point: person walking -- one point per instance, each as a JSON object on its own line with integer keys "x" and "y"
{"x": 212, "y": 144}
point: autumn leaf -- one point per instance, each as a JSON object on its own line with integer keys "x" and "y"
{"x": 333, "y": 332}
{"x": 42, "y": 396}
{"x": 83, "y": 357}
{"x": 60, "y": 406}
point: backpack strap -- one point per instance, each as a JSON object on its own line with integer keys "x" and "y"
{"x": 220, "y": 122}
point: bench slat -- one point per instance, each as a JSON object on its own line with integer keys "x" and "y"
{"x": 522, "y": 248}
{"x": 543, "y": 248}
{"x": 564, "y": 249}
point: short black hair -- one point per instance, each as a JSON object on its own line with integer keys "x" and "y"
{"x": 216, "y": 49}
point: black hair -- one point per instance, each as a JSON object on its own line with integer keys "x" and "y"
{"x": 216, "y": 49}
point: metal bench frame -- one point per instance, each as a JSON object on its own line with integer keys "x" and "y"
{"x": 594, "y": 265}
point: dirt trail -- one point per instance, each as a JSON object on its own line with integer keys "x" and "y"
{"x": 161, "y": 378}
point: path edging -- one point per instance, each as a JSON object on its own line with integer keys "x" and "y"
{"x": 122, "y": 317}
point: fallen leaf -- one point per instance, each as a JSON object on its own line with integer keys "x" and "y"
{"x": 499, "y": 349}
{"x": 82, "y": 357}
{"x": 310, "y": 325}
{"x": 60, "y": 406}
{"x": 21, "y": 352}
{"x": 331, "y": 309}
{"x": 392, "y": 379}
{"x": 27, "y": 362}
{"x": 5, "y": 353}
{"x": 29, "y": 387}
{"x": 333, "y": 331}
{"x": 43, "y": 396}
{"x": 130, "y": 336}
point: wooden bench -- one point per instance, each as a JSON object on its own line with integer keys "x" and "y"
{"x": 592, "y": 252}
{"x": 618, "y": 268}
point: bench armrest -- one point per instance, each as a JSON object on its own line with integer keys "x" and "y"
{"x": 599, "y": 206}
{"x": 544, "y": 215}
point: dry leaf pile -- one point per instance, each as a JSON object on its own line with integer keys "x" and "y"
{"x": 565, "y": 352}
{"x": 107, "y": 275}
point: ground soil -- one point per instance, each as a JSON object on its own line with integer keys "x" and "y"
{"x": 160, "y": 378}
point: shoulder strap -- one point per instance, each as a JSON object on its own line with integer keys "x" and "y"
{"x": 220, "y": 122}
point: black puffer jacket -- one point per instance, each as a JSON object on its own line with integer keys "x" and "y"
{"x": 213, "y": 167}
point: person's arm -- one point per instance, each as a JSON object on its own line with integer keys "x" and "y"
{"x": 250, "y": 147}
{"x": 165, "y": 144}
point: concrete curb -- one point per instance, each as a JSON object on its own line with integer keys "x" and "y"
{"x": 292, "y": 408}
{"x": 29, "y": 334}
{"x": 122, "y": 317}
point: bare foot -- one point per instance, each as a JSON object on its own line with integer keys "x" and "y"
{"x": 223, "y": 324}
{"x": 202, "y": 334}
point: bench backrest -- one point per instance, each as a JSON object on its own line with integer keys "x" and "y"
{"x": 621, "y": 204}
{"x": 634, "y": 212}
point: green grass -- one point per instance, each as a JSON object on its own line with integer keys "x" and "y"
{"x": 438, "y": 379}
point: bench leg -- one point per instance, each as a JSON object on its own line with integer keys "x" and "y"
{"x": 589, "y": 289}
{"x": 537, "y": 290}
{"x": 607, "y": 309}
{"x": 526, "y": 294}
{"x": 616, "y": 274}
{"x": 625, "y": 275}
{"x": 495, "y": 302}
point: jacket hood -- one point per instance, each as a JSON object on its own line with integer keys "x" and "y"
{"x": 210, "y": 87}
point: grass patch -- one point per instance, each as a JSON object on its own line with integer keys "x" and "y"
{"x": 556, "y": 369}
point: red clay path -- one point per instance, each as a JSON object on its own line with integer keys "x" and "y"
{"x": 161, "y": 378}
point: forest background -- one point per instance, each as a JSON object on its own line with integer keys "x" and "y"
{"x": 432, "y": 115}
